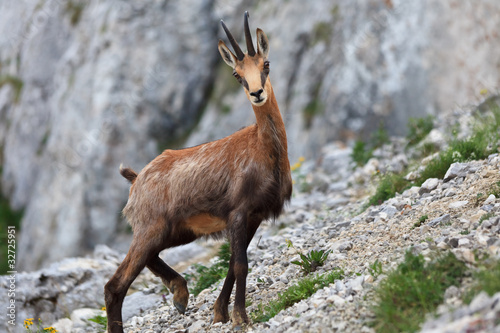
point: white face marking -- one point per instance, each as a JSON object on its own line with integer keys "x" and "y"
{"x": 260, "y": 102}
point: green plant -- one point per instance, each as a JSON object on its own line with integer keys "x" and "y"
{"x": 413, "y": 289}
{"x": 389, "y": 185}
{"x": 485, "y": 217}
{"x": 421, "y": 220}
{"x": 312, "y": 260}
{"x": 29, "y": 327}
{"x": 15, "y": 82}
{"x": 361, "y": 153}
{"x": 75, "y": 9}
{"x": 302, "y": 290}
{"x": 479, "y": 198}
{"x": 375, "y": 269}
{"x": 314, "y": 107}
{"x": 207, "y": 276}
{"x": 101, "y": 321}
{"x": 418, "y": 128}
{"x": 495, "y": 190}
{"x": 299, "y": 179}
{"x": 322, "y": 32}
{"x": 479, "y": 145}
{"x": 486, "y": 279}
{"x": 380, "y": 137}
{"x": 8, "y": 218}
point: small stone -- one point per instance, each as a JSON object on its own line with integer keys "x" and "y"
{"x": 335, "y": 299}
{"x": 80, "y": 317}
{"x": 64, "y": 325}
{"x": 451, "y": 292}
{"x": 450, "y": 192}
{"x": 302, "y": 307}
{"x": 440, "y": 220}
{"x": 490, "y": 200}
{"x": 458, "y": 204}
{"x": 424, "y": 229}
{"x": 357, "y": 283}
{"x": 463, "y": 242}
{"x": 456, "y": 170}
{"x": 429, "y": 185}
{"x": 347, "y": 246}
{"x": 339, "y": 285}
{"x": 479, "y": 302}
{"x": 196, "y": 326}
{"x": 453, "y": 242}
{"x": 369, "y": 279}
{"x": 442, "y": 245}
{"x": 389, "y": 210}
{"x": 465, "y": 255}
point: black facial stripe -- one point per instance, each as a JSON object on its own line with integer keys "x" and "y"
{"x": 263, "y": 78}
{"x": 245, "y": 84}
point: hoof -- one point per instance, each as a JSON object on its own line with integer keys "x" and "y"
{"x": 221, "y": 315}
{"x": 238, "y": 328}
{"x": 181, "y": 294}
{"x": 239, "y": 320}
{"x": 220, "y": 318}
{"x": 180, "y": 307}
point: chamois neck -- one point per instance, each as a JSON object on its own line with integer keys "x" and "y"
{"x": 270, "y": 124}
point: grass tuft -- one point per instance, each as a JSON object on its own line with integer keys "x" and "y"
{"x": 418, "y": 128}
{"x": 414, "y": 289}
{"x": 483, "y": 142}
{"x": 294, "y": 294}
{"x": 362, "y": 151}
{"x": 389, "y": 185}
{"x": 15, "y": 82}
{"x": 207, "y": 276}
{"x": 486, "y": 279}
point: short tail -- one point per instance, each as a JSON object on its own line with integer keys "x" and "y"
{"x": 128, "y": 174}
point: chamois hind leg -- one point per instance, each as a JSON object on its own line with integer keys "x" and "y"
{"x": 116, "y": 288}
{"x": 172, "y": 280}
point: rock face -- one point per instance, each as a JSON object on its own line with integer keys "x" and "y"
{"x": 86, "y": 86}
{"x": 104, "y": 83}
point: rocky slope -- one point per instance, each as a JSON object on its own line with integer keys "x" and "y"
{"x": 87, "y": 85}
{"x": 328, "y": 218}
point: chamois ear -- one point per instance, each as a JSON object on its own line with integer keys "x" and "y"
{"x": 228, "y": 56}
{"x": 262, "y": 43}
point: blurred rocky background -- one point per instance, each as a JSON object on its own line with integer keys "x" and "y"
{"x": 88, "y": 85}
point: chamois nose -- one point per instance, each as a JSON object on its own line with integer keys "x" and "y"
{"x": 257, "y": 93}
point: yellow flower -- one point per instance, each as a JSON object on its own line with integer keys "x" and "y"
{"x": 103, "y": 308}
{"x": 483, "y": 91}
{"x": 50, "y": 329}
{"x": 301, "y": 159}
{"x": 28, "y": 322}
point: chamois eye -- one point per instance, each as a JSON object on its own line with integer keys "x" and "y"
{"x": 266, "y": 66}
{"x": 237, "y": 76}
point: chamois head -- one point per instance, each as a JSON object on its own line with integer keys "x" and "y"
{"x": 251, "y": 69}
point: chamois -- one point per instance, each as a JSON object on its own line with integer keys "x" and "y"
{"x": 225, "y": 187}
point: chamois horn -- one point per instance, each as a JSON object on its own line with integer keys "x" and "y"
{"x": 248, "y": 37}
{"x": 233, "y": 42}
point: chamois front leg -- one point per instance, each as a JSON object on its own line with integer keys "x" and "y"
{"x": 240, "y": 267}
{"x": 221, "y": 313}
